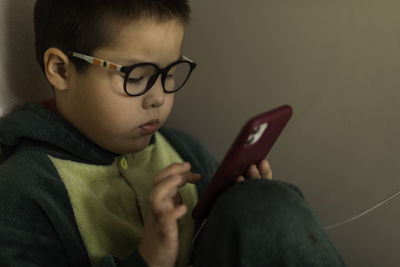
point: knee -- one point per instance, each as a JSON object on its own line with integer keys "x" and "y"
{"x": 254, "y": 200}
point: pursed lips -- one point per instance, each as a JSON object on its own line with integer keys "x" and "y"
{"x": 151, "y": 126}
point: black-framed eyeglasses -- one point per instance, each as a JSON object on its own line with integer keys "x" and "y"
{"x": 140, "y": 78}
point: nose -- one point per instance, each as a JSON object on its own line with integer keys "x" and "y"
{"x": 155, "y": 97}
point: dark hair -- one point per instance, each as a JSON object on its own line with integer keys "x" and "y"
{"x": 86, "y": 25}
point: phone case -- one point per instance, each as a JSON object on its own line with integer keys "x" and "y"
{"x": 250, "y": 147}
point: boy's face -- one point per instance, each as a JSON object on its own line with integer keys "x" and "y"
{"x": 95, "y": 101}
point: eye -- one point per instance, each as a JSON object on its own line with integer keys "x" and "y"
{"x": 135, "y": 80}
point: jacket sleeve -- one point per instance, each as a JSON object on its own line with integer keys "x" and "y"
{"x": 36, "y": 231}
{"x": 134, "y": 260}
{"x": 27, "y": 236}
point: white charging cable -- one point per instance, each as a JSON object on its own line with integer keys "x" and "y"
{"x": 336, "y": 225}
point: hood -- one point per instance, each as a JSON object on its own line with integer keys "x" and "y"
{"x": 36, "y": 123}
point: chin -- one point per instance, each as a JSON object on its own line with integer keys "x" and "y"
{"x": 135, "y": 146}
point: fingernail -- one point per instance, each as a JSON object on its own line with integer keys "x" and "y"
{"x": 187, "y": 165}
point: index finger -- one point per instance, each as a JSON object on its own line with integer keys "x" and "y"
{"x": 163, "y": 191}
{"x": 171, "y": 170}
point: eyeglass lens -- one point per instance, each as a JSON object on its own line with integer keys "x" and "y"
{"x": 143, "y": 77}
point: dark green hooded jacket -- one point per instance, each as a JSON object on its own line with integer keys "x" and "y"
{"x": 37, "y": 222}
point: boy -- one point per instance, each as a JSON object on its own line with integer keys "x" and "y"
{"x": 93, "y": 179}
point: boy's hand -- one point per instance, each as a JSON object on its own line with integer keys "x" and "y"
{"x": 262, "y": 171}
{"x": 159, "y": 243}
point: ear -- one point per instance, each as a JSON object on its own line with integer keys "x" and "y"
{"x": 57, "y": 67}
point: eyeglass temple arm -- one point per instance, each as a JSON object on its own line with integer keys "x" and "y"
{"x": 95, "y": 61}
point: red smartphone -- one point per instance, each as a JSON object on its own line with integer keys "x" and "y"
{"x": 250, "y": 147}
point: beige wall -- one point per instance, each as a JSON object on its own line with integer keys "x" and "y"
{"x": 335, "y": 62}
{"x": 20, "y": 78}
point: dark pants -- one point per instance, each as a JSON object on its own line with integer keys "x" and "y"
{"x": 264, "y": 223}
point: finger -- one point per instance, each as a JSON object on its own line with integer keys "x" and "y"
{"x": 177, "y": 199}
{"x": 173, "y": 169}
{"x": 253, "y": 173}
{"x": 169, "y": 219}
{"x": 179, "y": 212}
{"x": 265, "y": 169}
{"x": 240, "y": 179}
{"x": 161, "y": 196}
{"x": 193, "y": 178}
{"x": 190, "y": 177}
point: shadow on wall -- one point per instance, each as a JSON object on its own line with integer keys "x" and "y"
{"x": 24, "y": 80}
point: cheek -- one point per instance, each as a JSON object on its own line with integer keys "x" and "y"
{"x": 108, "y": 105}
{"x": 168, "y": 104}
{"x": 120, "y": 115}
